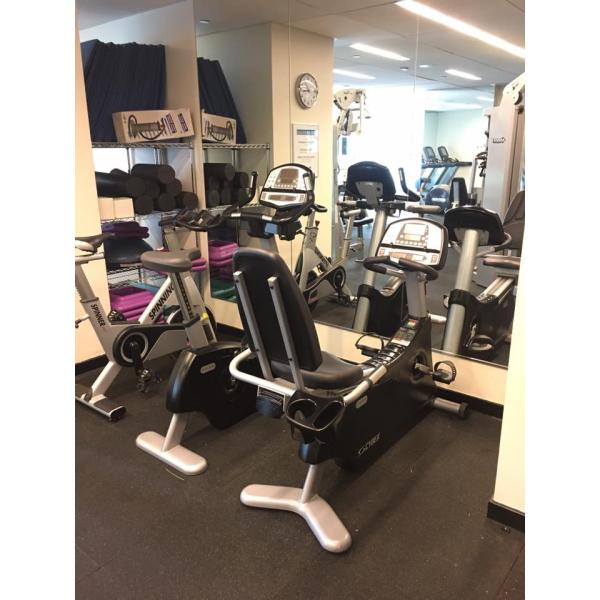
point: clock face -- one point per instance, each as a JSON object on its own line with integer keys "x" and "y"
{"x": 307, "y": 90}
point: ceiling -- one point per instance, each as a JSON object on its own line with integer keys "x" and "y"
{"x": 376, "y": 22}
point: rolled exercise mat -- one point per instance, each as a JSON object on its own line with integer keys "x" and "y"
{"x": 186, "y": 200}
{"x": 241, "y": 180}
{"x": 219, "y": 170}
{"x": 160, "y": 173}
{"x": 164, "y": 203}
{"x": 213, "y": 198}
{"x": 115, "y": 185}
{"x": 143, "y": 205}
{"x": 172, "y": 188}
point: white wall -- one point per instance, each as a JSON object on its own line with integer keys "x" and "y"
{"x": 510, "y": 476}
{"x": 430, "y": 130}
{"x": 393, "y": 135}
{"x": 463, "y": 134}
{"x": 87, "y": 215}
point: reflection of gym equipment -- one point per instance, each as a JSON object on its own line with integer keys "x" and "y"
{"x": 287, "y": 195}
{"x": 477, "y": 325}
{"x": 129, "y": 344}
{"x": 148, "y": 131}
{"x": 435, "y": 186}
{"x": 370, "y": 186}
{"x": 349, "y": 413}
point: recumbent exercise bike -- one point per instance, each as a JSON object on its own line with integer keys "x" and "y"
{"x": 346, "y": 412}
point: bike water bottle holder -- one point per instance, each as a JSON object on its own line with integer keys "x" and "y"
{"x": 316, "y": 417}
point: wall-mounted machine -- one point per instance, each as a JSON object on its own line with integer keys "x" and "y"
{"x": 505, "y": 160}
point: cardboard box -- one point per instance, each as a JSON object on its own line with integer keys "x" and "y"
{"x": 218, "y": 129}
{"x": 152, "y": 125}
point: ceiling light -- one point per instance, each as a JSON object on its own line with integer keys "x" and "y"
{"x": 204, "y": 21}
{"x": 352, "y": 74}
{"x": 462, "y": 74}
{"x": 479, "y": 34}
{"x": 424, "y": 66}
{"x": 485, "y": 98}
{"x": 356, "y": 56}
{"x": 378, "y": 52}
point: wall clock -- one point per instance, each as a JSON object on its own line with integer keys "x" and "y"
{"x": 307, "y": 90}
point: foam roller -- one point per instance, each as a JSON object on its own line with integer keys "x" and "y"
{"x": 186, "y": 200}
{"x": 143, "y": 205}
{"x": 164, "y": 203}
{"x": 174, "y": 188}
{"x": 115, "y": 185}
{"x": 212, "y": 183}
{"x": 225, "y": 195}
{"x": 160, "y": 173}
{"x": 152, "y": 188}
{"x": 219, "y": 170}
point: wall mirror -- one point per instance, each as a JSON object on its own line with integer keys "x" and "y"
{"x": 430, "y": 103}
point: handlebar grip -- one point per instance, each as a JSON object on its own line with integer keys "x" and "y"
{"x": 319, "y": 208}
{"x": 376, "y": 264}
{"x": 426, "y": 209}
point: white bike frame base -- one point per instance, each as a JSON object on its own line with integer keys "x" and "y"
{"x": 318, "y": 514}
{"x": 169, "y": 450}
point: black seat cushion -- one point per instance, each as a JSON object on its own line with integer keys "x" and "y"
{"x": 333, "y": 373}
{"x": 170, "y": 262}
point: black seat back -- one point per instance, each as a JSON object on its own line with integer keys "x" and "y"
{"x": 475, "y": 217}
{"x": 372, "y": 172}
{"x": 458, "y": 192}
{"x": 257, "y": 266}
{"x": 514, "y": 220}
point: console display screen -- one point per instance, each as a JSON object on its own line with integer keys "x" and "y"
{"x": 287, "y": 177}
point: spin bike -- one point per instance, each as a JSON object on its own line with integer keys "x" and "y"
{"x": 346, "y": 412}
{"x": 288, "y": 195}
{"x": 131, "y": 344}
{"x": 370, "y": 185}
{"x": 476, "y": 326}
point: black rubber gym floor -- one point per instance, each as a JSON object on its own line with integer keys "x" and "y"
{"x": 417, "y": 516}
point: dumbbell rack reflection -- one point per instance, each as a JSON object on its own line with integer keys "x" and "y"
{"x": 179, "y": 155}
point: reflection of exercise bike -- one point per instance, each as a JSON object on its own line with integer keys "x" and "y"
{"x": 477, "y": 325}
{"x": 370, "y": 185}
{"x": 128, "y": 344}
{"x": 131, "y": 344}
{"x": 346, "y": 412}
{"x": 288, "y": 195}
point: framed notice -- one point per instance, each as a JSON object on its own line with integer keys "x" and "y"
{"x": 305, "y": 144}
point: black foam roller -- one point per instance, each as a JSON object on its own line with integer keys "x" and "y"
{"x": 241, "y": 180}
{"x": 213, "y": 198}
{"x": 161, "y": 173}
{"x": 174, "y": 188}
{"x": 219, "y": 170}
{"x": 165, "y": 202}
{"x": 152, "y": 188}
{"x": 186, "y": 200}
{"x": 143, "y": 205}
{"x": 115, "y": 185}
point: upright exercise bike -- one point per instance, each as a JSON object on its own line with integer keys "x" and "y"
{"x": 132, "y": 344}
{"x": 346, "y": 412}
{"x": 369, "y": 185}
{"x": 288, "y": 195}
{"x": 477, "y": 326}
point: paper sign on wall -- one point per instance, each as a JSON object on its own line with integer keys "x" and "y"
{"x": 306, "y": 146}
